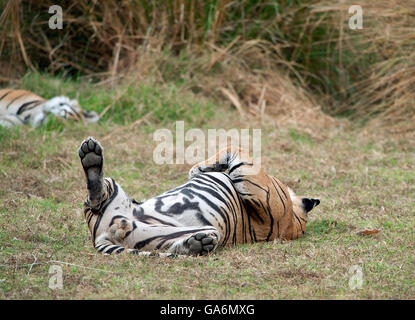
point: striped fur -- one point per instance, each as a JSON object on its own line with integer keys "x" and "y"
{"x": 211, "y": 209}
{"x": 23, "y": 107}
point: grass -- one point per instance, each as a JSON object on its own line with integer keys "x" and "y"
{"x": 366, "y": 74}
{"x": 364, "y": 180}
{"x": 130, "y": 101}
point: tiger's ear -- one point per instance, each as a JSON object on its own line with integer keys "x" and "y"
{"x": 90, "y": 116}
{"x": 309, "y": 204}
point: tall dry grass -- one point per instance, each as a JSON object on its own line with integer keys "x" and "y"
{"x": 366, "y": 74}
{"x": 97, "y": 35}
{"x": 243, "y": 47}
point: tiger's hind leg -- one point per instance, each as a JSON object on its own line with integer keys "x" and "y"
{"x": 92, "y": 161}
{"x": 174, "y": 240}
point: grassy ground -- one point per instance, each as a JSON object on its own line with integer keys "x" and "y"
{"x": 364, "y": 181}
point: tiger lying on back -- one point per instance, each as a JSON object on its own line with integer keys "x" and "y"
{"x": 212, "y": 209}
{"x": 24, "y": 107}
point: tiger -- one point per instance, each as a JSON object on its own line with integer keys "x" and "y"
{"x": 18, "y": 107}
{"x": 221, "y": 204}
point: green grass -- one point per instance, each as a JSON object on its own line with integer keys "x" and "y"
{"x": 130, "y": 101}
{"x": 362, "y": 74}
{"x": 363, "y": 181}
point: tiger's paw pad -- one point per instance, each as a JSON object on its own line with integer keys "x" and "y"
{"x": 90, "y": 153}
{"x": 120, "y": 230}
{"x": 202, "y": 243}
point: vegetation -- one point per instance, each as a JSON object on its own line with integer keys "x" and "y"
{"x": 364, "y": 74}
{"x": 365, "y": 181}
{"x": 336, "y": 110}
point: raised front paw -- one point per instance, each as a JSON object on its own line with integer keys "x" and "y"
{"x": 90, "y": 153}
{"x": 120, "y": 230}
{"x": 202, "y": 243}
{"x": 92, "y": 161}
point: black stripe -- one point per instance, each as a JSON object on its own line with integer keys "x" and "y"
{"x": 250, "y": 228}
{"x": 170, "y": 236}
{"x": 232, "y": 197}
{"x": 96, "y": 225}
{"x": 249, "y": 181}
{"x": 18, "y": 97}
{"x": 128, "y": 232}
{"x": 280, "y": 187}
{"x": 252, "y": 211}
{"x": 301, "y": 226}
{"x": 4, "y": 95}
{"x": 109, "y": 251}
{"x": 116, "y": 217}
{"x": 242, "y": 208}
{"x": 218, "y": 209}
{"x": 203, "y": 220}
{"x": 237, "y": 166}
{"x": 102, "y": 210}
{"x": 111, "y": 198}
{"x": 285, "y": 209}
{"x": 142, "y": 217}
{"x": 270, "y": 216}
{"x": 26, "y": 105}
{"x": 89, "y": 217}
{"x": 76, "y": 113}
{"x": 216, "y": 183}
{"x": 211, "y": 192}
{"x": 213, "y": 205}
{"x": 102, "y": 248}
{"x": 221, "y": 183}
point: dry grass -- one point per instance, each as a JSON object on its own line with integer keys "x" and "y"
{"x": 365, "y": 181}
{"x": 183, "y": 60}
{"x": 247, "y": 45}
{"x": 243, "y": 76}
{"x": 371, "y": 71}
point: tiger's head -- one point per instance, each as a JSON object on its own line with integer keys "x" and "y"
{"x": 63, "y": 107}
{"x": 302, "y": 206}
